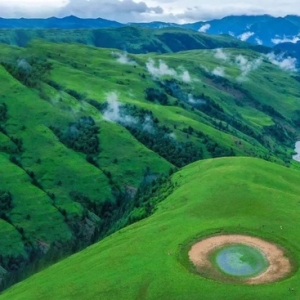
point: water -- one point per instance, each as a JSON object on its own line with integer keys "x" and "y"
{"x": 241, "y": 260}
{"x": 297, "y": 150}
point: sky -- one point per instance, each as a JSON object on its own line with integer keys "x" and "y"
{"x": 180, "y": 11}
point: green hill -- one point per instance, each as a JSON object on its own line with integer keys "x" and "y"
{"x": 148, "y": 260}
{"x": 133, "y": 39}
{"x": 87, "y": 135}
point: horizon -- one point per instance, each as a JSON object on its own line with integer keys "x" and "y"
{"x": 152, "y": 21}
{"x": 137, "y": 11}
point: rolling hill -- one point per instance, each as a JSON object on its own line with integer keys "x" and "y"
{"x": 149, "y": 260}
{"x": 88, "y": 135}
{"x": 132, "y": 39}
{"x": 263, "y": 30}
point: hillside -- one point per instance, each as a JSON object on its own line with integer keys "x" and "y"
{"x": 87, "y": 136}
{"x": 70, "y": 22}
{"x": 133, "y": 39}
{"x": 149, "y": 260}
{"x": 263, "y": 30}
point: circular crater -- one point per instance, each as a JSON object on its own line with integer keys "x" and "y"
{"x": 239, "y": 258}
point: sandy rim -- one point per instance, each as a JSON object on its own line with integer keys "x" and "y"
{"x": 279, "y": 265}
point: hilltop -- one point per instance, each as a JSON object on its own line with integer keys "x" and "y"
{"x": 263, "y": 30}
{"x": 149, "y": 260}
{"x": 132, "y": 39}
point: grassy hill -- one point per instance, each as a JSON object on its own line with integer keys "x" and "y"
{"x": 148, "y": 260}
{"x": 87, "y": 135}
{"x": 133, "y": 39}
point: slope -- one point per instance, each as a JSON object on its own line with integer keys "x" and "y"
{"x": 133, "y": 39}
{"x": 89, "y": 132}
{"x": 148, "y": 260}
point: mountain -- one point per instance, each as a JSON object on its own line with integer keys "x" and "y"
{"x": 291, "y": 48}
{"x": 89, "y": 135}
{"x": 149, "y": 259}
{"x": 259, "y": 30}
{"x": 132, "y": 39}
{"x": 70, "y": 22}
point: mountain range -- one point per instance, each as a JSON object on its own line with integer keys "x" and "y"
{"x": 262, "y": 29}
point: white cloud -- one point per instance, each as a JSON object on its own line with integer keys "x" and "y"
{"x": 245, "y": 36}
{"x": 246, "y": 66}
{"x": 162, "y": 69}
{"x": 286, "y": 39}
{"x": 204, "y": 28}
{"x": 284, "y": 63}
{"x": 147, "y": 10}
{"x": 219, "y": 71}
{"x": 192, "y": 100}
{"x": 221, "y": 54}
{"x": 113, "y": 111}
{"x": 259, "y": 41}
{"x": 123, "y": 58}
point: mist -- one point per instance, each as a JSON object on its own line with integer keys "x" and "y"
{"x": 161, "y": 69}
{"x": 285, "y": 63}
{"x": 246, "y": 66}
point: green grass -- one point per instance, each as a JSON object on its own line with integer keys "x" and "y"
{"x": 149, "y": 260}
{"x": 95, "y": 72}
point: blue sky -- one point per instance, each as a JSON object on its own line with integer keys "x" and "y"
{"x": 147, "y": 10}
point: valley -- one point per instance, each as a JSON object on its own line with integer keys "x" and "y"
{"x": 113, "y": 162}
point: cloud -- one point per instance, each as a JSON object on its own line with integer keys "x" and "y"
{"x": 147, "y": 10}
{"x": 245, "y": 36}
{"x": 286, "y": 39}
{"x": 219, "y": 71}
{"x": 24, "y": 65}
{"x": 185, "y": 76}
{"x": 204, "y": 28}
{"x": 246, "y": 66}
{"x": 259, "y": 41}
{"x": 122, "y": 11}
{"x": 162, "y": 69}
{"x": 284, "y": 63}
{"x": 123, "y": 58}
{"x": 113, "y": 111}
{"x": 221, "y": 55}
{"x": 192, "y": 100}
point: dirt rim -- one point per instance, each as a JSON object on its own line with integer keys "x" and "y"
{"x": 279, "y": 265}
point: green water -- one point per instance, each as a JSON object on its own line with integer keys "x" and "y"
{"x": 240, "y": 260}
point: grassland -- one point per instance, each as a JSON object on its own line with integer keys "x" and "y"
{"x": 132, "y": 38}
{"x": 83, "y": 196}
{"x": 149, "y": 260}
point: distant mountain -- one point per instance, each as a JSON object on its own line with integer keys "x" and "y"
{"x": 132, "y": 39}
{"x": 70, "y": 22}
{"x": 263, "y": 30}
{"x": 291, "y": 48}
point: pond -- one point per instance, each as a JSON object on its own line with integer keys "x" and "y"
{"x": 240, "y": 260}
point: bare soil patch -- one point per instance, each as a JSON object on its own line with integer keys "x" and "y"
{"x": 279, "y": 264}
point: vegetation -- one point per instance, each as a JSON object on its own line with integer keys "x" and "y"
{"x": 77, "y": 165}
{"x": 149, "y": 259}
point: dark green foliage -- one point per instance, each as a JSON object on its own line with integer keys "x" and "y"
{"x": 148, "y": 196}
{"x": 173, "y": 88}
{"x": 81, "y": 136}
{"x": 278, "y": 132}
{"x": 3, "y": 112}
{"x": 159, "y": 138}
{"x": 153, "y": 94}
{"x": 76, "y": 95}
{"x": 30, "y": 71}
{"x": 6, "y": 203}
